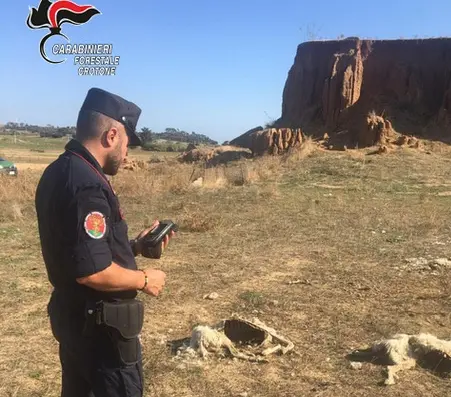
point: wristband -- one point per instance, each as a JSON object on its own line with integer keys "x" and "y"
{"x": 133, "y": 246}
{"x": 145, "y": 278}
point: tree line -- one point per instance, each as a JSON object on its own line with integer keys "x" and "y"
{"x": 146, "y": 134}
{"x": 176, "y": 135}
{"x": 44, "y": 131}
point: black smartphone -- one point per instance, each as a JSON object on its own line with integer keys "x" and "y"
{"x": 157, "y": 235}
{"x": 152, "y": 241}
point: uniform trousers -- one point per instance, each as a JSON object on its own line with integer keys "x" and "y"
{"x": 90, "y": 365}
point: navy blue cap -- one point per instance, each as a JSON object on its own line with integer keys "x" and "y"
{"x": 117, "y": 108}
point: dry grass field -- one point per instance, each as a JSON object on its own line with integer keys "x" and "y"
{"x": 341, "y": 222}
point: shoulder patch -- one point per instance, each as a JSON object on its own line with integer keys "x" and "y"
{"x": 95, "y": 225}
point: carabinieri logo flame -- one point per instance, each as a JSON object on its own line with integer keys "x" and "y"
{"x": 53, "y": 15}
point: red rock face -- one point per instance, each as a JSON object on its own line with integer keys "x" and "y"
{"x": 270, "y": 140}
{"x": 334, "y": 85}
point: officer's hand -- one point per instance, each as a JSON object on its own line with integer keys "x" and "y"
{"x": 148, "y": 230}
{"x": 156, "y": 281}
{"x": 166, "y": 239}
{"x": 139, "y": 239}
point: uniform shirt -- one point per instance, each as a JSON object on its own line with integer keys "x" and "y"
{"x": 81, "y": 226}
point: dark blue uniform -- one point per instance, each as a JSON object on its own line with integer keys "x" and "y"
{"x": 82, "y": 232}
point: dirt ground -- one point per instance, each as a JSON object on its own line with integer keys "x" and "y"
{"x": 343, "y": 223}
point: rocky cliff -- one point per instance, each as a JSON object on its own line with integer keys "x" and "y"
{"x": 333, "y": 86}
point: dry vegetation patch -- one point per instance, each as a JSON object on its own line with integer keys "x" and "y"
{"x": 312, "y": 243}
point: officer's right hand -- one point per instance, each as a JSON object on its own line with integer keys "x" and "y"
{"x": 156, "y": 281}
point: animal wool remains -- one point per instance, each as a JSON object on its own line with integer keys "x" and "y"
{"x": 205, "y": 339}
{"x": 241, "y": 338}
{"x": 403, "y": 352}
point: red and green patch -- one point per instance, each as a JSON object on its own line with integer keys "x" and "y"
{"x": 95, "y": 225}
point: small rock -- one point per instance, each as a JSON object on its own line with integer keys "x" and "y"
{"x": 356, "y": 365}
{"x": 212, "y": 296}
{"x": 443, "y": 262}
{"x": 306, "y": 282}
{"x": 417, "y": 261}
{"x": 244, "y": 394}
{"x": 327, "y": 359}
{"x": 198, "y": 182}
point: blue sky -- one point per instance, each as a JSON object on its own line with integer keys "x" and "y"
{"x": 211, "y": 66}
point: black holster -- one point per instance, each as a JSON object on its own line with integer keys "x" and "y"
{"x": 123, "y": 321}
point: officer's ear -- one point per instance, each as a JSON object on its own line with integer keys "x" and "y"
{"x": 111, "y": 137}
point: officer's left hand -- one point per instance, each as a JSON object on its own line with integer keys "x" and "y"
{"x": 141, "y": 235}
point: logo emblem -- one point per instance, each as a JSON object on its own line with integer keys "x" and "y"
{"x": 95, "y": 225}
{"x": 53, "y": 15}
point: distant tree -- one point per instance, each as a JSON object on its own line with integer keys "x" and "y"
{"x": 171, "y": 131}
{"x": 146, "y": 134}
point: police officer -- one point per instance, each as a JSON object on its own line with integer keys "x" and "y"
{"x": 94, "y": 311}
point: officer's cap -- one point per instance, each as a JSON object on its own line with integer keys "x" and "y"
{"x": 117, "y": 108}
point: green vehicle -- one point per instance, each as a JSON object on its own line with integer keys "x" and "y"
{"x": 7, "y": 168}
